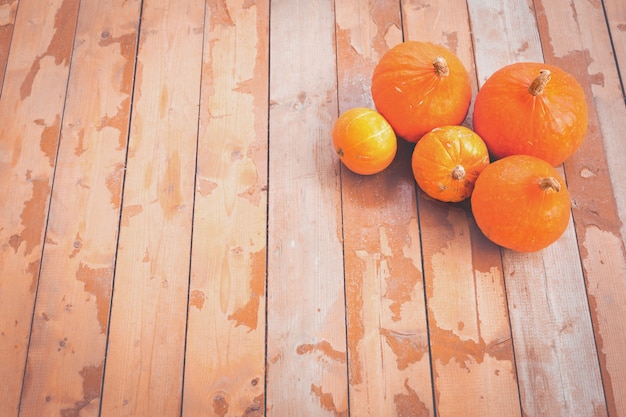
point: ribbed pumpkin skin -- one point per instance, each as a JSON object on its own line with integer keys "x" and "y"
{"x": 550, "y": 125}
{"x": 511, "y": 208}
{"x": 409, "y": 93}
{"x": 364, "y": 141}
{"x": 446, "y": 162}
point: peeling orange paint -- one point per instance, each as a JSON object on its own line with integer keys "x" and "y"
{"x": 327, "y": 401}
{"x": 98, "y": 283}
{"x": 407, "y": 349}
{"x": 50, "y": 138}
{"x": 92, "y": 383}
{"x": 60, "y": 46}
{"x": 219, "y": 13}
{"x": 114, "y": 185}
{"x": 130, "y": 211}
{"x": 253, "y": 194}
{"x": 205, "y": 187}
{"x": 196, "y": 299}
{"x": 33, "y": 214}
{"x": 248, "y": 315}
{"x": 409, "y": 404}
{"x": 326, "y": 349}
{"x": 118, "y": 121}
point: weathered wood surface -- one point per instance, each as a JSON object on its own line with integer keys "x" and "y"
{"x": 178, "y": 237}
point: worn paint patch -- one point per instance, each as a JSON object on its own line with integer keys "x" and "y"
{"x": 219, "y": 13}
{"x": 409, "y": 404}
{"x": 447, "y": 347}
{"x": 118, "y": 121}
{"x": 129, "y": 212}
{"x": 33, "y": 215}
{"x": 113, "y": 183}
{"x": 325, "y": 348}
{"x": 60, "y": 46}
{"x": 197, "y": 298}
{"x": 327, "y": 401}
{"x": 92, "y": 383}
{"x": 248, "y": 315}
{"x": 254, "y": 194}
{"x": 406, "y": 347}
{"x": 98, "y": 283}
{"x": 7, "y": 13}
{"x": 49, "y": 138}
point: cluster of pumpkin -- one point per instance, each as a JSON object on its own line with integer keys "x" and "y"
{"x": 528, "y": 117}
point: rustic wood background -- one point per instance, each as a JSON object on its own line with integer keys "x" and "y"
{"x": 177, "y": 236}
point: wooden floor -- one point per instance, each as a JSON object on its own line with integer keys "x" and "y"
{"x": 177, "y": 236}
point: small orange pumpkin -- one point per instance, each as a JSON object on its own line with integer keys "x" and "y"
{"x": 533, "y": 109}
{"x": 521, "y": 202}
{"x": 446, "y": 162}
{"x": 364, "y": 141}
{"x": 418, "y": 86}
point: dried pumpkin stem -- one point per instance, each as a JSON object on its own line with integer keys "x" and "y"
{"x": 441, "y": 66}
{"x": 539, "y": 83}
{"x": 550, "y": 183}
{"x": 458, "y": 173}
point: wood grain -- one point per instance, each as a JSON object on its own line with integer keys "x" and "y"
{"x": 547, "y": 285}
{"x": 145, "y": 354}
{"x": 177, "y": 236}
{"x": 599, "y": 221}
{"x": 31, "y": 108}
{"x": 389, "y": 361}
{"x": 70, "y": 325}
{"x": 225, "y": 354}
{"x": 7, "y": 21}
{"x": 306, "y": 342}
{"x": 470, "y": 339}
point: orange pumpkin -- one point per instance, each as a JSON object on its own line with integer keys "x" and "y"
{"x": 364, "y": 141}
{"x": 418, "y": 86}
{"x": 521, "y": 202}
{"x": 533, "y": 109}
{"x": 446, "y": 162}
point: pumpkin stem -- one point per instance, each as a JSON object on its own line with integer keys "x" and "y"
{"x": 441, "y": 66}
{"x": 550, "y": 183}
{"x": 458, "y": 173}
{"x": 539, "y": 83}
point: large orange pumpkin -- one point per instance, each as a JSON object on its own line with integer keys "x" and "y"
{"x": 446, "y": 162}
{"x": 364, "y": 141}
{"x": 418, "y": 86}
{"x": 531, "y": 108}
{"x": 521, "y": 202}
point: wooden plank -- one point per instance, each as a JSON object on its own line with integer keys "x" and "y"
{"x": 145, "y": 354}
{"x": 31, "y": 106}
{"x": 615, "y": 11}
{"x": 556, "y": 358}
{"x": 225, "y": 354}
{"x": 389, "y": 361}
{"x": 67, "y": 347}
{"x": 306, "y": 342}
{"x": 472, "y": 353}
{"x": 7, "y": 21}
{"x": 582, "y": 46}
